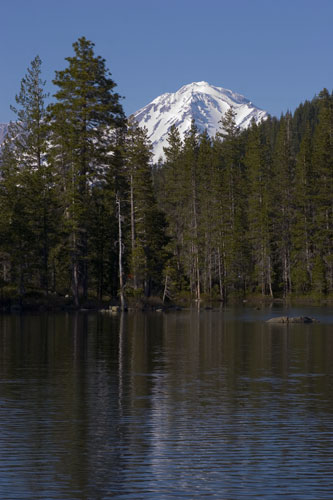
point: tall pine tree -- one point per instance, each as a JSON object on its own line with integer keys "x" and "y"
{"x": 147, "y": 224}
{"x": 258, "y": 163}
{"x": 28, "y": 186}
{"x": 86, "y": 112}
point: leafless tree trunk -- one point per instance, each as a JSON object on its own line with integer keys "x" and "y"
{"x": 120, "y": 245}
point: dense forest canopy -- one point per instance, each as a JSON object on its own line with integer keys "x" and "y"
{"x": 84, "y": 214}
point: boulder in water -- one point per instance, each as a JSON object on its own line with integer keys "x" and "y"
{"x": 292, "y": 319}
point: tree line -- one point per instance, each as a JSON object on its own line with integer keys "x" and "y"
{"x": 252, "y": 212}
{"x": 84, "y": 213}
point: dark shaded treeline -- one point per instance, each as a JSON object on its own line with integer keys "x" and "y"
{"x": 76, "y": 196}
{"x": 252, "y": 212}
{"x": 83, "y": 213}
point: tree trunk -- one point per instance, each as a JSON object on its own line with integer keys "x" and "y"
{"x": 220, "y": 274}
{"x": 120, "y": 261}
{"x": 134, "y": 271}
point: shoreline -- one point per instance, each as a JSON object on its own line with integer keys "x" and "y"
{"x": 150, "y": 304}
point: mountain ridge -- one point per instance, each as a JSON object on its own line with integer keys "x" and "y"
{"x": 204, "y": 103}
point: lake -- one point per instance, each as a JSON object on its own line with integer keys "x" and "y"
{"x": 181, "y": 405}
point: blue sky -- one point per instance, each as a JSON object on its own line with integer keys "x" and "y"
{"x": 275, "y": 52}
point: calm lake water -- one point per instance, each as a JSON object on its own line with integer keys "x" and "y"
{"x": 194, "y": 405}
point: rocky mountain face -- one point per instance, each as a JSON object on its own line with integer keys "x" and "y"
{"x": 204, "y": 103}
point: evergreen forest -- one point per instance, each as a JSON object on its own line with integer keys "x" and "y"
{"x": 86, "y": 216}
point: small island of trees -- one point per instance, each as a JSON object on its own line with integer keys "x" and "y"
{"x": 84, "y": 215}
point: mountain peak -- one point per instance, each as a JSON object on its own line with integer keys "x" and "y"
{"x": 195, "y": 85}
{"x": 204, "y": 103}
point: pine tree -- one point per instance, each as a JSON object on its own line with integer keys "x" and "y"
{"x": 15, "y": 228}
{"x": 147, "y": 224}
{"x": 171, "y": 193}
{"x": 86, "y": 112}
{"x": 302, "y": 226}
{"x": 233, "y": 205}
{"x": 219, "y": 216}
{"x": 190, "y": 183}
{"x": 103, "y": 242}
{"x": 258, "y": 163}
{"x": 284, "y": 164}
{"x": 323, "y": 189}
{"x": 205, "y": 189}
{"x": 28, "y": 185}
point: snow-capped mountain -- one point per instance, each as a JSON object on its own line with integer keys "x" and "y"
{"x": 203, "y": 102}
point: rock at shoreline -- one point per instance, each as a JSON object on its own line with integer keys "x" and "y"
{"x": 295, "y": 319}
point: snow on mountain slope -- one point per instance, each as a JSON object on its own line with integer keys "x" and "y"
{"x": 204, "y": 103}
